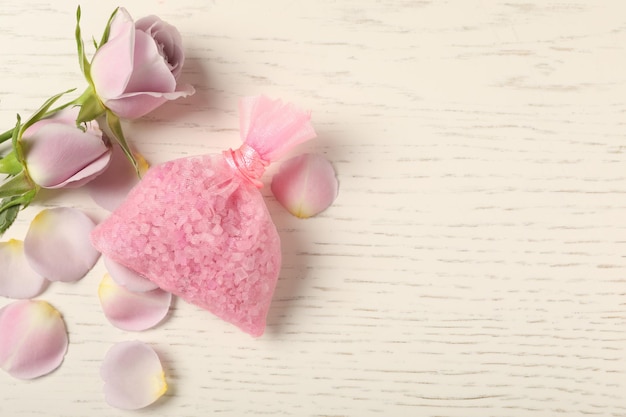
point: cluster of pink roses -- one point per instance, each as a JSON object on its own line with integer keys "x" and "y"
{"x": 134, "y": 70}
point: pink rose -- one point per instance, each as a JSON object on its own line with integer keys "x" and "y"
{"x": 58, "y": 154}
{"x": 137, "y": 69}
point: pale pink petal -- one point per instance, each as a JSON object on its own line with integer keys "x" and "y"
{"x": 135, "y": 105}
{"x": 59, "y": 154}
{"x": 66, "y": 116}
{"x": 305, "y": 185}
{"x": 168, "y": 38}
{"x": 88, "y": 173}
{"x": 150, "y": 71}
{"x": 33, "y": 339}
{"x": 111, "y": 187}
{"x": 127, "y": 278}
{"x": 17, "y": 279}
{"x": 133, "y": 376}
{"x": 57, "y": 244}
{"x": 112, "y": 64}
{"x": 146, "y": 23}
{"x": 121, "y": 23}
{"x": 134, "y": 311}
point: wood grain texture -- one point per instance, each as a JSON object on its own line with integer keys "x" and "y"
{"x": 474, "y": 261}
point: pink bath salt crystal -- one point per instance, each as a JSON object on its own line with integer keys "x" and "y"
{"x": 198, "y": 227}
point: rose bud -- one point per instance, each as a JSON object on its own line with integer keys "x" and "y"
{"x": 59, "y": 154}
{"x": 137, "y": 69}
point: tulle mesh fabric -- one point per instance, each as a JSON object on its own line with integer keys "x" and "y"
{"x": 199, "y": 228}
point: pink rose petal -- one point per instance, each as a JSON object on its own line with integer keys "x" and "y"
{"x": 33, "y": 339}
{"x": 134, "y": 311}
{"x": 112, "y": 65}
{"x": 145, "y": 61}
{"x": 57, "y": 244}
{"x": 133, "y": 376}
{"x": 305, "y": 185}
{"x": 17, "y": 279}
{"x": 135, "y": 105}
{"x": 61, "y": 155}
{"x": 128, "y": 278}
{"x": 110, "y": 188}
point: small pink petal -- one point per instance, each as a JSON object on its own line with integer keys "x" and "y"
{"x": 110, "y": 188}
{"x": 17, "y": 279}
{"x": 127, "y": 278}
{"x": 305, "y": 185}
{"x": 133, "y": 376}
{"x": 134, "y": 311}
{"x": 57, "y": 244}
{"x": 33, "y": 339}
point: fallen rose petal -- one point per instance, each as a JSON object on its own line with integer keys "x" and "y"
{"x": 127, "y": 278}
{"x": 110, "y": 188}
{"x": 133, "y": 376}
{"x": 57, "y": 244}
{"x": 33, "y": 339}
{"x": 134, "y": 311}
{"x": 17, "y": 279}
{"x": 305, "y": 185}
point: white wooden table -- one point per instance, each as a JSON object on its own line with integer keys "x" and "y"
{"x": 474, "y": 261}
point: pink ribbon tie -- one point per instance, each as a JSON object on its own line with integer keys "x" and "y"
{"x": 247, "y": 161}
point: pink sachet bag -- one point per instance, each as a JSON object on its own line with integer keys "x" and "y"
{"x": 198, "y": 226}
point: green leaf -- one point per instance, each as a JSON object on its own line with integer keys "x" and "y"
{"x": 8, "y": 216}
{"x": 10, "y": 165}
{"x": 90, "y": 106}
{"x": 107, "y": 30}
{"x": 10, "y": 207}
{"x": 85, "y": 67}
{"x": 116, "y": 128}
{"x": 17, "y": 185}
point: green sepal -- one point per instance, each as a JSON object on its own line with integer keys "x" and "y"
{"x": 41, "y": 113}
{"x": 107, "y": 29}
{"x": 6, "y": 135}
{"x": 17, "y": 185}
{"x": 11, "y": 132}
{"x": 10, "y": 165}
{"x": 15, "y": 141}
{"x": 10, "y": 207}
{"x": 90, "y": 106}
{"x": 85, "y": 66}
{"x": 116, "y": 129}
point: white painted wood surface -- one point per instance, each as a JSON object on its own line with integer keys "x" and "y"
{"x": 474, "y": 261}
